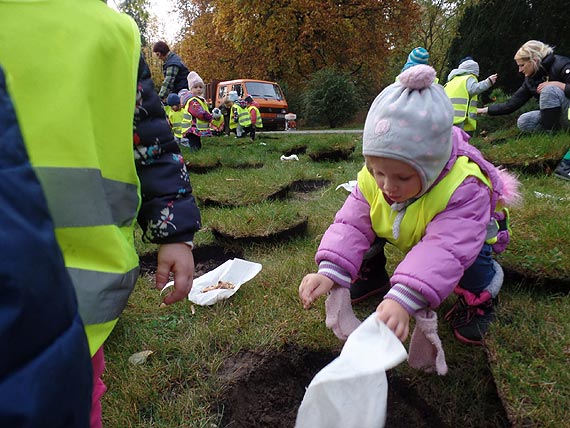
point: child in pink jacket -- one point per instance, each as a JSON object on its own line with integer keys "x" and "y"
{"x": 427, "y": 191}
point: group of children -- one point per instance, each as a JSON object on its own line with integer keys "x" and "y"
{"x": 190, "y": 117}
{"x": 462, "y": 87}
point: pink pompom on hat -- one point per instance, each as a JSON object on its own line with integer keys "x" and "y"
{"x": 411, "y": 121}
{"x": 193, "y": 78}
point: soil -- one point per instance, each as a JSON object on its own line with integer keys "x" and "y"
{"x": 266, "y": 390}
{"x": 206, "y": 258}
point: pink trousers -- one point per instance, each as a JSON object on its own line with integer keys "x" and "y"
{"x": 99, "y": 388}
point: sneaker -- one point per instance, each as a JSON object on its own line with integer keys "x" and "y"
{"x": 372, "y": 278}
{"x": 471, "y": 323}
{"x": 563, "y": 169}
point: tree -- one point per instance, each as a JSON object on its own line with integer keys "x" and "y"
{"x": 435, "y": 32}
{"x": 491, "y": 31}
{"x": 330, "y": 98}
{"x": 138, "y": 10}
{"x": 289, "y": 40}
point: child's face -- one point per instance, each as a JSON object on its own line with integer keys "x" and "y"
{"x": 397, "y": 180}
{"x": 175, "y": 107}
{"x": 197, "y": 89}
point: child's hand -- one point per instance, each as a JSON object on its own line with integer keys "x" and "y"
{"x": 178, "y": 259}
{"x": 395, "y": 317}
{"x": 313, "y": 286}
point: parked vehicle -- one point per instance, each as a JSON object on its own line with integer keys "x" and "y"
{"x": 268, "y": 95}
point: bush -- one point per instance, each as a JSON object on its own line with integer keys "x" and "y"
{"x": 330, "y": 98}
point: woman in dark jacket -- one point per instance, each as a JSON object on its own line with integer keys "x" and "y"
{"x": 547, "y": 77}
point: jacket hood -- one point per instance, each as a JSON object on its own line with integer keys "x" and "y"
{"x": 466, "y": 67}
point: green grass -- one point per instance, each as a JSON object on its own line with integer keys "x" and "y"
{"x": 528, "y": 351}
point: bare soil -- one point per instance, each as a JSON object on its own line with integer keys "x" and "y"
{"x": 266, "y": 390}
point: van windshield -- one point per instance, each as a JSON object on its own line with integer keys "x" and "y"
{"x": 264, "y": 90}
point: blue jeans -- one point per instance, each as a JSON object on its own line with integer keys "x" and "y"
{"x": 480, "y": 274}
{"x": 550, "y": 97}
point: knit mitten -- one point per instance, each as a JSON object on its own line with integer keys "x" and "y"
{"x": 340, "y": 317}
{"x": 426, "y": 352}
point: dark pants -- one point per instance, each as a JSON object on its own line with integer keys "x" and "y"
{"x": 249, "y": 130}
{"x": 194, "y": 141}
{"x": 475, "y": 279}
{"x": 480, "y": 274}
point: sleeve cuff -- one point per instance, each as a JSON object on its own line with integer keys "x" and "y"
{"x": 334, "y": 272}
{"x": 411, "y": 300}
{"x": 190, "y": 244}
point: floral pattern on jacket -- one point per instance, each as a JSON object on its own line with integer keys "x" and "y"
{"x": 168, "y": 210}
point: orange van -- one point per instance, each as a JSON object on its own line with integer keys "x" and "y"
{"x": 269, "y": 96}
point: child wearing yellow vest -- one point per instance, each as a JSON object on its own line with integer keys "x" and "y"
{"x": 463, "y": 89}
{"x": 197, "y": 115}
{"x": 254, "y": 115}
{"x": 175, "y": 116}
{"x": 121, "y": 163}
{"x": 217, "y": 124}
{"x": 428, "y": 192}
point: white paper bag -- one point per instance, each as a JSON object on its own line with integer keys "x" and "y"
{"x": 352, "y": 391}
{"x": 236, "y": 271}
{"x": 349, "y": 186}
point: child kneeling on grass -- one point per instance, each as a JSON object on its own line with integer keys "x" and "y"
{"x": 427, "y": 191}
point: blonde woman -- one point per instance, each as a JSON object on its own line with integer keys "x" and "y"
{"x": 547, "y": 78}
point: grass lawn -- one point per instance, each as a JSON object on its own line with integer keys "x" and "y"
{"x": 245, "y": 361}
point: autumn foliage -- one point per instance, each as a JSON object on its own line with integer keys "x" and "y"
{"x": 288, "y": 41}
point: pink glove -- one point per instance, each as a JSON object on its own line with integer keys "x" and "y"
{"x": 426, "y": 352}
{"x": 340, "y": 317}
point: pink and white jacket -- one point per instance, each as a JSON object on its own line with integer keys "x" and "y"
{"x": 433, "y": 267}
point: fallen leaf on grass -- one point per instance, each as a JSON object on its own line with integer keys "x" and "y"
{"x": 140, "y": 357}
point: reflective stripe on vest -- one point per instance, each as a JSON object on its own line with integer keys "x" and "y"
{"x": 176, "y": 121}
{"x": 464, "y": 106}
{"x": 188, "y": 120}
{"x": 75, "y": 208}
{"x": 419, "y": 213}
{"x": 259, "y": 121}
{"x": 82, "y": 154}
{"x": 244, "y": 119}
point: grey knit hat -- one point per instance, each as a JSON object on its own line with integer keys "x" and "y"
{"x": 411, "y": 121}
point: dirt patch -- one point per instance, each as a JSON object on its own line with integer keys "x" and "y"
{"x": 202, "y": 168}
{"x": 306, "y": 186}
{"x": 296, "y": 150}
{"x": 533, "y": 166}
{"x": 541, "y": 281}
{"x": 265, "y": 390}
{"x": 206, "y": 258}
{"x": 332, "y": 155}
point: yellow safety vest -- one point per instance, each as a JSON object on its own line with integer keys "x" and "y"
{"x": 244, "y": 119}
{"x": 202, "y": 125}
{"x": 464, "y": 106}
{"x": 233, "y": 109}
{"x": 77, "y": 62}
{"x": 419, "y": 214}
{"x": 259, "y": 121}
{"x": 175, "y": 118}
{"x": 217, "y": 122}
